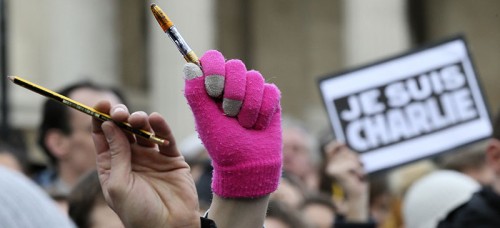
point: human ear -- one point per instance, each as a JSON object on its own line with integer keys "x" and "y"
{"x": 57, "y": 143}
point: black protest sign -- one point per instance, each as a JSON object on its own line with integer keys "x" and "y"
{"x": 408, "y": 107}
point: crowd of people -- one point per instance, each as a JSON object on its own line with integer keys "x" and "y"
{"x": 247, "y": 165}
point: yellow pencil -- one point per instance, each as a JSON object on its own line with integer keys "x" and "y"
{"x": 85, "y": 109}
{"x": 169, "y": 28}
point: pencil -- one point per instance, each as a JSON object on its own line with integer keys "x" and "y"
{"x": 169, "y": 28}
{"x": 85, "y": 109}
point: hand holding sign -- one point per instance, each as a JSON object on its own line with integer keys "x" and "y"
{"x": 409, "y": 107}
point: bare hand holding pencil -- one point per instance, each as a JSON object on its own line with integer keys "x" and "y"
{"x": 144, "y": 183}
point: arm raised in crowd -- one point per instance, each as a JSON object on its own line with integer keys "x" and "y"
{"x": 346, "y": 168}
{"x": 242, "y": 135}
{"x": 145, "y": 184}
{"x": 238, "y": 118}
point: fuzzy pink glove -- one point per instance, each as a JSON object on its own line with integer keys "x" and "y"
{"x": 241, "y": 132}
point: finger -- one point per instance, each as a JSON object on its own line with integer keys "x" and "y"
{"x": 347, "y": 158}
{"x": 214, "y": 70}
{"x": 203, "y": 106}
{"x": 270, "y": 102}
{"x": 103, "y": 159}
{"x": 194, "y": 88}
{"x": 139, "y": 120}
{"x": 119, "y": 148}
{"x": 192, "y": 71}
{"x": 104, "y": 107}
{"x": 333, "y": 148}
{"x": 234, "y": 87}
{"x": 162, "y": 130}
{"x": 352, "y": 160}
{"x": 358, "y": 160}
{"x": 359, "y": 173}
{"x": 253, "y": 99}
{"x": 120, "y": 113}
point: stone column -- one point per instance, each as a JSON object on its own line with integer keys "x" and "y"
{"x": 56, "y": 42}
{"x": 477, "y": 21}
{"x": 374, "y": 30}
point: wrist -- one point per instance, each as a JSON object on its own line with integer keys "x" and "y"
{"x": 231, "y": 212}
{"x": 250, "y": 180}
{"x": 357, "y": 209}
{"x": 188, "y": 220}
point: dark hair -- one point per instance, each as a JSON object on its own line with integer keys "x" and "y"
{"x": 56, "y": 115}
{"x": 15, "y": 144}
{"x": 471, "y": 156}
{"x": 83, "y": 198}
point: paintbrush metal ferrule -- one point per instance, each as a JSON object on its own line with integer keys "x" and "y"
{"x": 85, "y": 109}
{"x": 169, "y": 28}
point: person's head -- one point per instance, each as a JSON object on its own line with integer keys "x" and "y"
{"x": 432, "y": 197}
{"x": 290, "y": 191}
{"x": 65, "y": 133}
{"x": 401, "y": 178}
{"x": 13, "y": 151}
{"x": 24, "y": 204}
{"x": 470, "y": 160}
{"x": 9, "y": 158}
{"x": 280, "y": 215}
{"x": 319, "y": 211}
{"x": 87, "y": 206}
{"x": 300, "y": 157}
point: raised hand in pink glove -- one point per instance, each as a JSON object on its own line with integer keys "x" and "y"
{"x": 242, "y": 133}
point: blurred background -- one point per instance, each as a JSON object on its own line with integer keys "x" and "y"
{"x": 292, "y": 42}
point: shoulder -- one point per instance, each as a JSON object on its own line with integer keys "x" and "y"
{"x": 474, "y": 213}
{"x": 453, "y": 218}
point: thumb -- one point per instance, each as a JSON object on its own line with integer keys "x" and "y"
{"x": 202, "y": 105}
{"x": 194, "y": 88}
{"x": 119, "y": 148}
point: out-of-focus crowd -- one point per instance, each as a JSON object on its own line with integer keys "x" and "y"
{"x": 323, "y": 182}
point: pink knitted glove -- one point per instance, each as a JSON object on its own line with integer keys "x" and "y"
{"x": 243, "y": 132}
